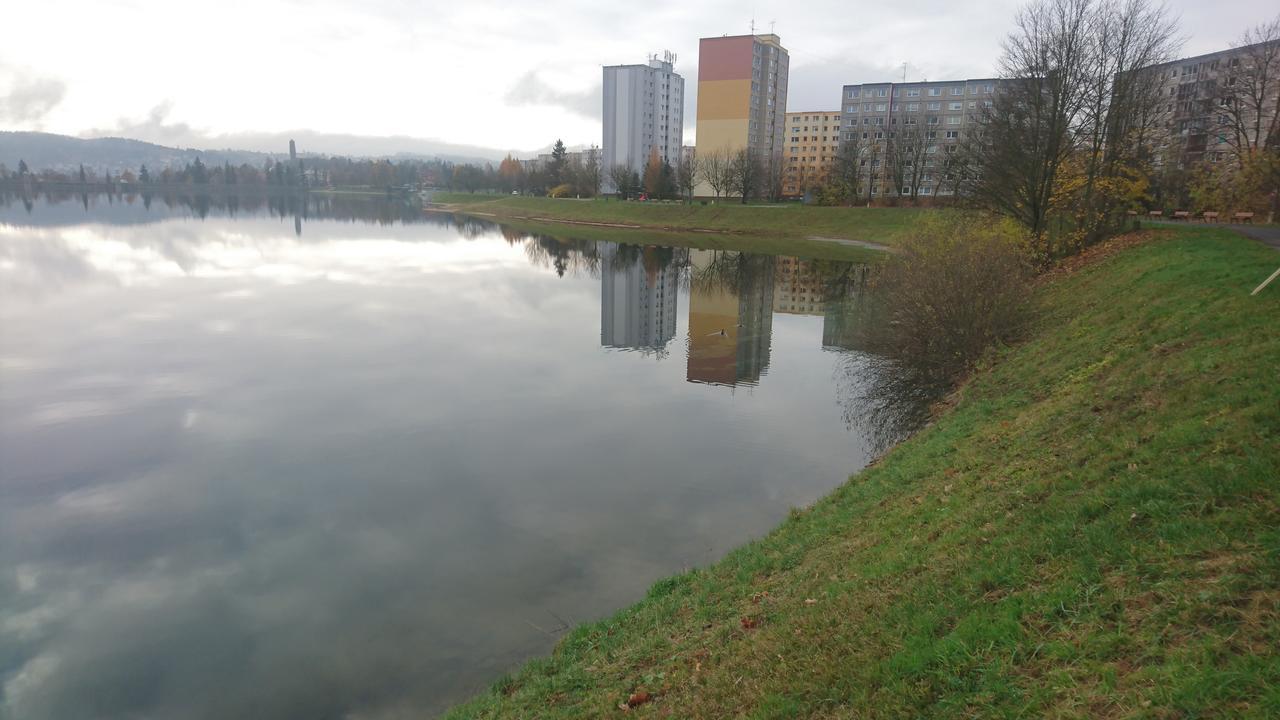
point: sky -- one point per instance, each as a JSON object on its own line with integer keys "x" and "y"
{"x": 475, "y": 73}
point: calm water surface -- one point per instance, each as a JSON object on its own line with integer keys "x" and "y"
{"x": 317, "y": 461}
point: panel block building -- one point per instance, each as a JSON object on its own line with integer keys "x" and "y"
{"x": 638, "y": 298}
{"x": 742, "y": 95}
{"x": 812, "y": 140}
{"x": 1211, "y": 105}
{"x": 904, "y": 133}
{"x": 643, "y": 109}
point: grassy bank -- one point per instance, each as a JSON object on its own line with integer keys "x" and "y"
{"x": 798, "y": 247}
{"x": 1092, "y": 530}
{"x": 791, "y": 221}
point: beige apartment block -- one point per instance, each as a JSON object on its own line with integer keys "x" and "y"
{"x": 903, "y": 136}
{"x": 812, "y": 140}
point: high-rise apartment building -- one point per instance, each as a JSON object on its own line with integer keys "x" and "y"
{"x": 904, "y": 134}
{"x": 1209, "y": 103}
{"x": 643, "y": 109}
{"x": 638, "y": 297}
{"x": 742, "y": 96}
{"x": 730, "y": 324}
{"x": 810, "y": 144}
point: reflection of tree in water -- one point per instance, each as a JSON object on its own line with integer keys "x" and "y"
{"x": 732, "y": 272}
{"x": 885, "y": 398}
{"x": 580, "y": 257}
{"x": 286, "y": 206}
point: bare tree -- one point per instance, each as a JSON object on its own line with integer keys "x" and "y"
{"x": 846, "y": 172}
{"x": 747, "y": 174}
{"x": 625, "y": 180}
{"x": 716, "y": 170}
{"x": 687, "y": 174}
{"x": 772, "y": 177}
{"x": 1069, "y": 112}
{"x": 1249, "y": 117}
{"x": 1027, "y": 136}
{"x": 905, "y": 152}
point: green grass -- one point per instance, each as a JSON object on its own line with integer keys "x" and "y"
{"x": 1092, "y": 530}
{"x": 797, "y": 247}
{"x": 789, "y": 220}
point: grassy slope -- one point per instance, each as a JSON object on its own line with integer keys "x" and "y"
{"x": 880, "y": 225}
{"x": 1092, "y": 531}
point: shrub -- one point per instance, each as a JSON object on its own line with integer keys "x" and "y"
{"x": 959, "y": 286}
{"x": 560, "y": 191}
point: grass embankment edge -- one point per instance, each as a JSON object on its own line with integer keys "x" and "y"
{"x": 1092, "y": 529}
{"x": 790, "y": 221}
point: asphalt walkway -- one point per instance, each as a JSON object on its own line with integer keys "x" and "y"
{"x": 1265, "y": 234}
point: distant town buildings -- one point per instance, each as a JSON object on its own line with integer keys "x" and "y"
{"x": 643, "y": 110}
{"x": 903, "y": 133}
{"x": 638, "y": 297}
{"x": 811, "y": 142}
{"x": 742, "y": 96}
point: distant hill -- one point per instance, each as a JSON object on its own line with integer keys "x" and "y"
{"x": 63, "y": 152}
{"x": 115, "y": 154}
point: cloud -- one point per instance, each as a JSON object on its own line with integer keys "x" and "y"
{"x": 30, "y": 99}
{"x": 155, "y": 128}
{"x": 530, "y": 89}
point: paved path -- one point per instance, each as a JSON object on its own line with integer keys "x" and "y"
{"x": 1265, "y": 234}
{"x": 866, "y": 244}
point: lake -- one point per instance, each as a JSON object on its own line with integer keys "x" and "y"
{"x": 343, "y": 459}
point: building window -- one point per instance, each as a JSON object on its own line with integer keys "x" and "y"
{"x": 935, "y": 92}
{"x": 882, "y": 92}
{"x": 913, "y": 92}
{"x": 881, "y": 107}
{"x": 957, "y": 91}
{"x": 935, "y": 106}
{"x": 955, "y": 106}
{"x": 953, "y": 134}
{"x": 853, "y": 92}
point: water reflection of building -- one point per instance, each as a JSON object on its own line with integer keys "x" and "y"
{"x": 799, "y": 288}
{"x": 638, "y": 294}
{"x": 730, "y": 317}
{"x": 844, "y": 317}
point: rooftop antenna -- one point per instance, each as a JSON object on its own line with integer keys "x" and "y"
{"x": 771, "y": 22}
{"x": 904, "y": 72}
{"x": 753, "y": 24}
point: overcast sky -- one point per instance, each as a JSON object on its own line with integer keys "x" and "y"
{"x": 510, "y": 75}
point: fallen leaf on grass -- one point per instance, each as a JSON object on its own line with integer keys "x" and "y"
{"x": 749, "y": 622}
{"x": 639, "y": 697}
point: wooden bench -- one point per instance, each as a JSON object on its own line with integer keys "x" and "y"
{"x": 1156, "y": 213}
{"x": 1244, "y": 217}
{"x": 1181, "y": 215}
{"x": 1209, "y": 216}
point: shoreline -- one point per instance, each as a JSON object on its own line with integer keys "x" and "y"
{"x": 981, "y": 562}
